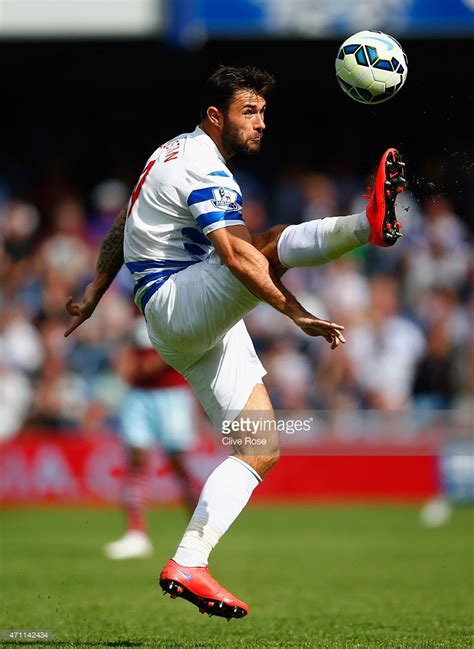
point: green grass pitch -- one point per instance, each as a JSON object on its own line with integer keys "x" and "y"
{"x": 335, "y": 577}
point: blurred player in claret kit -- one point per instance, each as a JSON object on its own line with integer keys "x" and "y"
{"x": 157, "y": 410}
{"x": 198, "y": 271}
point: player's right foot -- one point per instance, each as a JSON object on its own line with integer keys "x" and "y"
{"x": 389, "y": 181}
{"x": 198, "y": 587}
{"x": 133, "y": 545}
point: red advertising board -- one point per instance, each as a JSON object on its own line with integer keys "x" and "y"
{"x": 89, "y": 470}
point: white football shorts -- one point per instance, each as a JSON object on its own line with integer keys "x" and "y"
{"x": 195, "y": 323}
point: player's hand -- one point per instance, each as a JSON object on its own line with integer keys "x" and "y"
{"x": 331, "y": 331}
{"x": 82, "y": 310}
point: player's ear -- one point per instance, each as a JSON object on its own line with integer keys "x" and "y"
{"x": 214, "y": 115}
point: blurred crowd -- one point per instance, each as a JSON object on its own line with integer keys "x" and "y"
{"x": 407, "y": 310}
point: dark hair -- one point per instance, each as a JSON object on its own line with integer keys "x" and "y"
{"x": 219, "y": 89}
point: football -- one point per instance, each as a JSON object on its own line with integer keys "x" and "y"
{"x": 371, "y": 67}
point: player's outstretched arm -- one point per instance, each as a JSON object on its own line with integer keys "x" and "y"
{"x": 253, "y": 269}
{"x": 108, "y": 265}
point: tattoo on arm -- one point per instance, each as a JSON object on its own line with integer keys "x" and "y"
{"x": 111, "y": 252}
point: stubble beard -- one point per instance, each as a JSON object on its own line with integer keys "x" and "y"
{"x": 233, "y": 143}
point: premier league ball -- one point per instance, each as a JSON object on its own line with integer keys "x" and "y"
{"x": 371, "y": 67}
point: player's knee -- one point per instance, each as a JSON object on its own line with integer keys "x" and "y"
{"x": 267, "y": 462}
{"x": 271, "y": 461}
{"x": 261, "y": 463}
{"x": 270, "y": 451}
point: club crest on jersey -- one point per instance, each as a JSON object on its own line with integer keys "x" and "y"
{"x": 225, "y": 199}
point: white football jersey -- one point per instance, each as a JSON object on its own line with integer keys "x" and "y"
{"x": 185, "y": 192}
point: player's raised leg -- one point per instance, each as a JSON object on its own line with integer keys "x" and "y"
{"x": 318, "y": 242}
{"x": 224, "y": 495}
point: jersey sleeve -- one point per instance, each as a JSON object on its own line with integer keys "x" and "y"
{"x": 216, "y": 205}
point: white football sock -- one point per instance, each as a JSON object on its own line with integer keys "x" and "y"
{"x": 318, "y": 242}
{"x": 224, "y": 495}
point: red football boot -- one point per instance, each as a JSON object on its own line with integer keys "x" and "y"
{"x": 389, "y": 181}
{"x": 198, "y": 587}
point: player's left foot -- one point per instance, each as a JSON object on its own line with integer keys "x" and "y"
{"x": 389, "y": 182}
{"x": 198, "y": 587}
{"x": 133, "y": 545}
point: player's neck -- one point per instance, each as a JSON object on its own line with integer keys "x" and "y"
{"x": 215, "y": 136}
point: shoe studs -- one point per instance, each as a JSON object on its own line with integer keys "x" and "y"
{"x": 212, "y": 607}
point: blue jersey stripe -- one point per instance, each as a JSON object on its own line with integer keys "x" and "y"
{"x": 214, "y": 217}
{"x": 158, "y": 277}
{"x": 206, "y": 194}
{"x": 219, "y": 173}
{"x": 196, "y": 236}
{"x": 150, "y": 264}
{"x": 157, "y": 280}
{"x": 194, "y": 249}
{"x": 147, "y": 295}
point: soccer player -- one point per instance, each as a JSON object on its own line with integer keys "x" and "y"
{"x": 198, "y": 272}
{"x": 157, "y": 409}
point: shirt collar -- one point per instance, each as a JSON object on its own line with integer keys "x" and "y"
{"x": 210, "y": 142}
